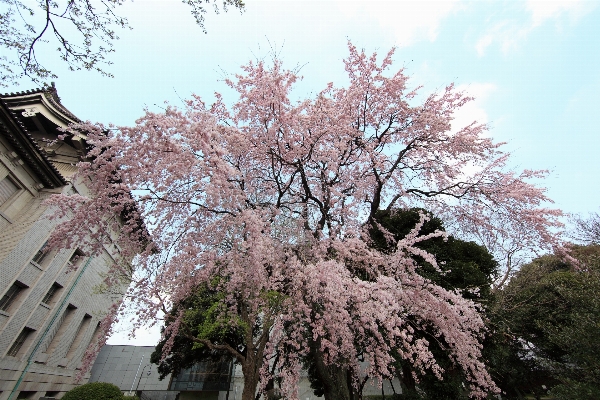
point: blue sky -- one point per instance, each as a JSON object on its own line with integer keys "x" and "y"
{"x": 534, "y": 67}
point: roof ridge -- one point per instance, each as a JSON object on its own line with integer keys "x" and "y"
{"x": 50, "y": 93}
{"x": 28, "y": 91}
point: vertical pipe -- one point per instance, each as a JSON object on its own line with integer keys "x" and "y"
{"x": 231, "y": 370}
{"x": 136, "y": 372}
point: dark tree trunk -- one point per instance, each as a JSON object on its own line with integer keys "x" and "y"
{"x": 336, "y": 380}
{"x": 251, "y": 373}
{"x": 407, "y": 379}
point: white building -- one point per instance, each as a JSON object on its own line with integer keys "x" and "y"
{"x": 49, "y": 310}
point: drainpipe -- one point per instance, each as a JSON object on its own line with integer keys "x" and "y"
{"x": 43, "y": 336}
{"x": 136, "y": 372}
{"x": 231, "y": 371}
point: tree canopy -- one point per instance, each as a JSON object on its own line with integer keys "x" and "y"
{"x": 462, "y": 266}
{"x": 94, "y": 391}
{"x": 587, "y": 230}
{"x": 203, "y": 319}
{"x": 553, "y": 309}
{"x": 274, "y": 197}
{"x": 465, "y": 267}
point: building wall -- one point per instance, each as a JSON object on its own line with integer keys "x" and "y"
{"x": 129, "y": 368}
{"x": 52, "y": 369}
{"x": 61, "y": 328}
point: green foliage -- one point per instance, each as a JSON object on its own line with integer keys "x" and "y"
{"x": 470, "y": 265}
{"x": 206, "y": 316}
{"x": 131, "y": 398}
{"x": 207, "y": 312}
{"x": 274, "y": 300}
{"x": 569, "y": 390}
{"x": 510, "y": 364}
{"x": 94, "y": 391}
{"x": 553, "y": 309}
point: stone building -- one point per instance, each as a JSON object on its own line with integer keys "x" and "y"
{"x": 49, "y": 310}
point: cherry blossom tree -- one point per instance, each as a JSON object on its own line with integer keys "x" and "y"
{"x": 273, "y": 199}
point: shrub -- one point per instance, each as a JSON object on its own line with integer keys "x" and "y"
{"x": 94, "y": 391}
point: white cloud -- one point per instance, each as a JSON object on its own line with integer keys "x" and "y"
{"x": 510, "y": 32}
{"x": 408, "y": 21}
{"x": 542, "y": 10}
{"x": 506, "y": 33}
{"x": 473, "y": 110}
{"x": 145, "y": 335}
{"x": 483, "y": 43}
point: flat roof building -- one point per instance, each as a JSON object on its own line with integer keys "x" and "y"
{"x": 129, "y": 368}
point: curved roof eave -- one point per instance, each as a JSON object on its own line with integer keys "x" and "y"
{"x": 27, "y": 148}
{"x": 52, "y": 108}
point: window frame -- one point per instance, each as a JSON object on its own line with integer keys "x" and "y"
{"x": 6, "y": 303}
{"x": 7, "y": 203}
{"x": 39, "y": 257}
{"x": 75, "y": 260}
{"x": 17, "y": 345}
{"x": 51, "y": 294}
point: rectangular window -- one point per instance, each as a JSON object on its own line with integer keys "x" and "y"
{"x": 55, "y": 288}
{"x": 41, "y": 254}
{"x": 26, "y": 395}
{"x": 11, "y": 295}
{"x": 96, "y": 334}
{"x": 7, "y": 189}
{"x": 19, "y": 342}
{"x": 83, "y": 327}
{"x": 76, "y": 259}
{"x": 61, "y": 327}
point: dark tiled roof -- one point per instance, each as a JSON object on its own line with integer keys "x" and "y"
{"x": 27, "y": 148}
{"x": 50, "y": 93}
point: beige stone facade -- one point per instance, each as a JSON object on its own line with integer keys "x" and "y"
{"x": 49, "y": 308}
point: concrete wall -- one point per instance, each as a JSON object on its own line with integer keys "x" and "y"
{"x": 125, "y": 366}
{"x": 61, "y": 330}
